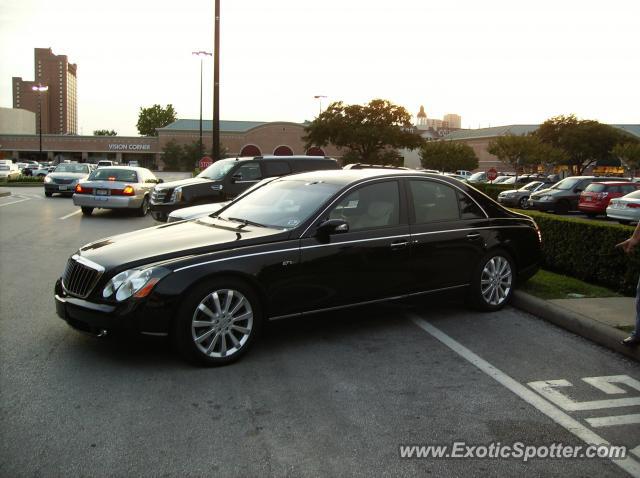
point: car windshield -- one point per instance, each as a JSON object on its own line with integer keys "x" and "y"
{"x": 566, "y": 184}
{"x": 530, "y": 186}
{"x": 280, "y": 204}
{"x": 109, "y": 174}
{"x": 217, "y": 170}
{"x": 72, "y": 168}
{"x": 595, "y": 188}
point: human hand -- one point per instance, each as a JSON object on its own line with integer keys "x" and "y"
{"x": 627, "y": 246}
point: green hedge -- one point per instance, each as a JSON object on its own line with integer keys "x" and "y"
{"x": 585, "y": 250}
{"x": 23, "y": 179}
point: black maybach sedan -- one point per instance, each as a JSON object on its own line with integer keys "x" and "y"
{"x": 301, "y": 244}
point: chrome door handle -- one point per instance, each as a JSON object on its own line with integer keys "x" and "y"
{"x": 395, "y": 245}
{"x": 473, "y": 236}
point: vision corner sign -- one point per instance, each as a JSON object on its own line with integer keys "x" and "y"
{"x": 129, "y": 147}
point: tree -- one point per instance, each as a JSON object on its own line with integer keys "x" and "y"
{"x": 154, "y": 117}
{"x": 364, "y": 130}
{"x": 105, "y": 132}
{"x": 518, "y": 151}
{"x": 629, "y": 154}
{"x": 192, "y": 153}
{"x": 172, "y": 155}
{"x": 583, "y": 141}
{"x": 447, "y": 156}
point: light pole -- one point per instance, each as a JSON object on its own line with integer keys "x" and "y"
{"x": 319, "y": 97}
{"x": 216, "y": 84}
{"x": 201, "y": 54}
{"x": 40, "y": 88}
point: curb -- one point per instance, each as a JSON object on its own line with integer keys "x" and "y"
{"x": 4, "y": 193}
{"x": 576, "y": 323}
{"x": 22, "y": 185}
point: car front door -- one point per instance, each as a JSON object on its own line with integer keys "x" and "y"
{"x": 368, "y": 262}
{"x": 242, "y": 177}
{"x": 447, "y": 238}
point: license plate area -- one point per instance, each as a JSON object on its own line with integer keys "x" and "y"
{"x": 102, "y": 192}
{"x": 63, "y": 187}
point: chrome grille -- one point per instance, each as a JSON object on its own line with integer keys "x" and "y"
{"x": 80, "y": 276}
{"x": 62, "y": 181}
{"x": 160, "y": 195}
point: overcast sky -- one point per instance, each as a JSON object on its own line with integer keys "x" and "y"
{"x": 493, "y": 62}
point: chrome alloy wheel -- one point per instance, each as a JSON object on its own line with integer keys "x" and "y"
{"x": 495, "y": 281}
{"x": 222, "y": 323}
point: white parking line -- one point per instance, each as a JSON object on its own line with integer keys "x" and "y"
{"x": 614, "y": 421}
{"x": 70, "y": 214}
{"x": 628, "y": 464}
{"x": 15, "y": 202}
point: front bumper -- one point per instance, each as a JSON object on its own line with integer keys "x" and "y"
{"x": 108, "y": 202}
{"x": 592, "y": 208}
{"x": 509, "y": 201}
{"x": 624, "y": 214}
{"x": 60, "y": 188}
{"x": 541, "y": 205}
{"x": 147, "y": 316}
{"x": 160, "y": 211}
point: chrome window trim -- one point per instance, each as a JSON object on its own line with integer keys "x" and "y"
{"x": 413, "y": 176}
{"x": 84, "y": 261}
{"x": 236, "y": 257}
{"x": 357, "y": 304}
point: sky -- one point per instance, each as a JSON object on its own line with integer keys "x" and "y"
{"x": 493, "y": 62}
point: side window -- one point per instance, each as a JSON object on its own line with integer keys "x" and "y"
{"x": 468, "y": 208}
{"x": 249, "y": 172}
{"x": 434, "y": 201}
{"x": 628, "y": 188}
{"x": 275, "y": 168}
{"x": 377, "y": 205}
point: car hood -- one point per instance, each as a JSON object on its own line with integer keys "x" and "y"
{"x": 546, "y": 192}
{"x": 173, "y": 240}
{"x": 194, "y": 212}
{"x": 182, "y": 182}
{"x": 61, "y": 175}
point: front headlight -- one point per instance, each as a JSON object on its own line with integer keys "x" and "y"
{"x": 134, "y": 282}
{"x": 176, "y": 196}
{"x": 546, "y": 198}
{"x": 47, "y": 179}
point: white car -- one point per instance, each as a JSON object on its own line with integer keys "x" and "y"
{"x": 9, "y": 170}
{"x": 625, "y": 209}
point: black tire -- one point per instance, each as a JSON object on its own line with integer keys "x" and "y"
{"x": 47, "y": 194}
{"x": 481, "y": 297}
{"x": 144, "y": 207}
{"x": 561, "y": 208}
{"x": 185, "y": 332}
{"x": 40, "y": 175}
{"x": 623, "y": 222}
{"x": 87, "y": 210}
{"x": 591, "y": 215}
{"x": 523, "y": 203}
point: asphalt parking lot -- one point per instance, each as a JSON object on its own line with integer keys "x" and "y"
{"x": 332, "y": 395}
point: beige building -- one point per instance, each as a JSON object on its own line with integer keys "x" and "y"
{"x": 17, "y": 121}
{"x": 58, "y": 105}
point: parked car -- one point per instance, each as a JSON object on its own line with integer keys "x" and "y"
{"x": 372, "y": 166}
{"x": 9, "y": 171}
{"x": 194, "y": 212}
{"x": 465, "y": 174}
{"x": 134, "y": 163}
{"x": 301, "y": 244}
{"x": 40, "y": 171}
{"x": 105, "y": 163}
{"x": 625, "y": 209}
{"x": 501, "y": 179}
{"x": 563, "y": 196}
{"x": 64, "y": 178}
{"x": 117, "y": 187}
{"x": 594, "y": 200}
{"x": 520, "y": 197}
{"x": 479, "y": 177}
{"x": 227, "y": 178}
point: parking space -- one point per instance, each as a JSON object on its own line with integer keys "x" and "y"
{"x": 335, "y": 394}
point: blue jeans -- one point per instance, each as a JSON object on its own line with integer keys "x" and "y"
{"x": 636, "y": 332}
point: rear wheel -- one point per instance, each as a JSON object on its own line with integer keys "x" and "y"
{"x": 144, "y": 207}
{"x": 218, "y": 322}
{"x": 493, "y": 280}
{"x": 87, "y": 210}
{"x": 591, "y": 215}
{"x": 524, "y": 202}
{"x": 562, "y": 207}
{"x": 48, "y": 194}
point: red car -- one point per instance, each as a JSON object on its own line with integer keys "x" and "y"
{"x": 595, "y": 198}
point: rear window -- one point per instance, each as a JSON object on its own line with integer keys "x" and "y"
{"x": 633, "y": 195}
{"x": 106, "y": 174}
{"x": 595, "y": 188}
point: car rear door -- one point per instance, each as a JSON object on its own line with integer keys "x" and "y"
{"x": 448, "y": 235}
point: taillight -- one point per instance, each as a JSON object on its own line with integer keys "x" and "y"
{"x": 128, "y": 191}
{"x": 80, "y": 190}
{"x": 633, "y": 205}
{"x": 602, "y": 195}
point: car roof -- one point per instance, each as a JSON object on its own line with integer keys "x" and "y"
{"x": 127, "y": 168}
{"x": 348, "y": 176}
{"x": 612, "y": 183}
{"x": 281, "y": 158}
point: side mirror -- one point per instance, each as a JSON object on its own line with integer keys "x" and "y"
{"x": 333, "y": 226}
{"x": 577, "y": 190}
{"x": 236, "y": 178}
{"x": 160, "y": 180}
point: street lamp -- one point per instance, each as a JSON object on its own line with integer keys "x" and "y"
{"x": 215, "y": 127}
{"x": 319, "y": 97}
{"x": 201, "y": 54}
{"x": 40, "y": 88}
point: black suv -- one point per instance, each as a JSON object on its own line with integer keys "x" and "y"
{"x": 227, "y": 178}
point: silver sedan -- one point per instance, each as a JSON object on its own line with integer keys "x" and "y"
{"x": 116, "y": 187}
{"x": 625, "y": 209}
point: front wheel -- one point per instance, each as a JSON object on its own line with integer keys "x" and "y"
{"x": 524, "y": 203}
{"x": 493, "y": 280}
{"x": 48, "y": 194}
{"x": 218, "y": 322}
{"x": 144, "y": 207}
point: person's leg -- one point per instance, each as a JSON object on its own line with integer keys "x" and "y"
{"x": 634, "y": 338}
